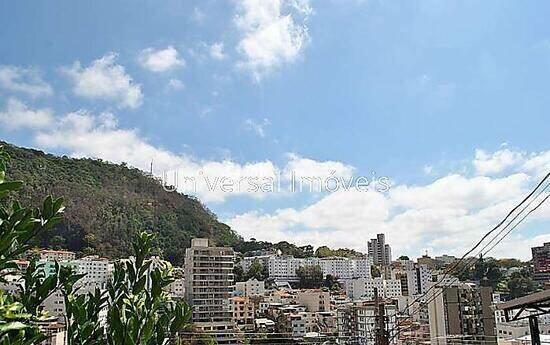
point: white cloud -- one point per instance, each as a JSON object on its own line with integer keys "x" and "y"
{"x": 490, "y": 164}
{"x": 104, "y": 79}
{"x": 538, "y": 163}
{"x": 273, "y": 33}
{"x": 508, "y": 160}
{"x": 448, "y": 214}
{"x": 87, "y": 135}
{"x": 302, "y": 167}
{"x": 24, "y": 80}
{"x": 459, "y": 192}
{"x": 83, "y": 134}
{"x": 257, "y": 127}
{"x": 176, "y": 84}
{"x": 160, "y": 60}
{"x": 17, "y": 115}
{"x": 216, "y": 51}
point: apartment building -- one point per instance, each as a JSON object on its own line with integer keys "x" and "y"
{"x": 294, "y": 324}
{"x": 379, "y": 250}
{"x": 541, "y": 263}
{"x": 283, "y": 268}
{"x": 356, "y": 322}
{"x": 414, "y": 278}
{"x": 462, "y": 309}
{"x": 363, "y": 288}
{"x": 53, "y": 330}
{"x": 55, "y": 304}
{"x": 346, "y": 268}
{"x": 177, "y": 288}
{"x": 315, "y": 300}
{"x": 56, "y": 255}
{"x": 97, "y": 272}
{"x": 251, "y": 288}
{"x": 247, "y": 261}
{"x": 208, "y": 287}
{"x": 243, "y": 312}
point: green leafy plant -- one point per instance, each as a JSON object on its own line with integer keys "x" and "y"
{"x": 135, "y": 309}
{"x": 18, "y": 226}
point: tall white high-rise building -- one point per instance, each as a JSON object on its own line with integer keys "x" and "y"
{"x": 208, "y": 287}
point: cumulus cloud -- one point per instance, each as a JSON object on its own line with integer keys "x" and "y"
{"x": 497, "y": 162}
{"x": 446, "y": 215}
{"x": 302, "y": 167}
{"x": 507, "y": 160}
{"x": 105, "y": 79}
{"x": 24, "y": 80}
{"x": 18, "y": 115}
{"x": 273, "y": 33}
{"x": 160, "y": 60}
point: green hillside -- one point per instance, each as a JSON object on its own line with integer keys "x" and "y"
{"x": 107, "y": 204}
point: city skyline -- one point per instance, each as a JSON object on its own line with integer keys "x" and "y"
{"x": 449, "y": 116}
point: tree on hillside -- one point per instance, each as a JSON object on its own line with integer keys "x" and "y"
{"x": 404, "y": 257}
{"x": 139, "y": 310}
{"x": 520, "y": 285}
{"x": 375, "y": 272}
{"x": 107, "y": 204}
{"x": 487, "y": 271}
{"x": 238, "y": 273}
{"x": 257, "y": 271}
{"x": 323, "y": 252}
{"x": 509, "y": 263}
{"x": 311, "y": 277}
{"x": 331, "y": 282}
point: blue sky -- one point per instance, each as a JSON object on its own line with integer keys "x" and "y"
{"x": 433, "y": 95}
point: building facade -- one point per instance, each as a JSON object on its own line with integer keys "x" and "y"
{"x": 363, "y": 288}
{"x": 357, "y": 322}
{"x": 379, "y": 250}
{"x": 315, "y": 300}
{"x": 541, "y": 263}
{"x": 283, "y": 268}
{"x": 462, "y": 309}
{"x": 208, "y": 287}
{"x": 56, "y": 255}
{"x": 250, "y": 288}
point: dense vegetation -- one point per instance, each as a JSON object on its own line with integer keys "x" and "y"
{"x": 490, "y": 272}
{"x": 253, "y": 247}
{"x": 107, "y": 204}
{"x": 138, "y": 309}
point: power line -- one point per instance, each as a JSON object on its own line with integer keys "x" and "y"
{"x": 455, "y": 264}
{"x": 442, "y": 289}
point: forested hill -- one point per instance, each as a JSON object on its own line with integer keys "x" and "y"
{"x": 106, "y": 204}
